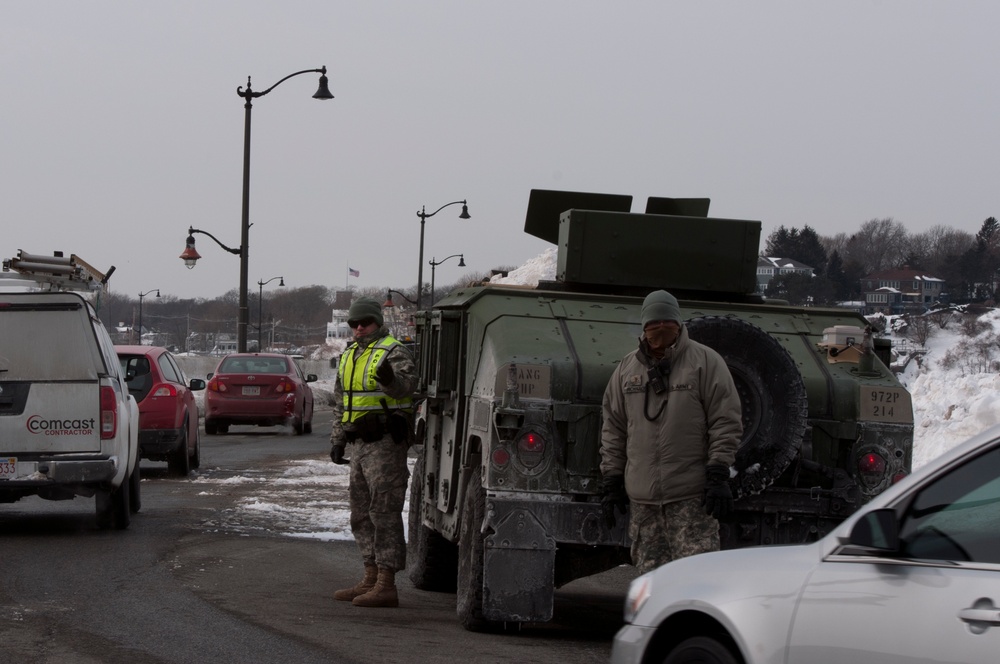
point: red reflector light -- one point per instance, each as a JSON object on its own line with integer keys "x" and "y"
{"x": 500, "y": 457}
{"x": 109, "y": 413}
{"x": 897, "y": 477}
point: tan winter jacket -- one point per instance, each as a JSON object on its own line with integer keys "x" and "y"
{"x": 664, "y": 460}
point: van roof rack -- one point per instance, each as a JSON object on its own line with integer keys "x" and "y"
{"x": 55, "y": 272}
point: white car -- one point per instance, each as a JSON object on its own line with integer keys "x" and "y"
{"x": 68, "y": 426}
{"x": 914, "y": 576}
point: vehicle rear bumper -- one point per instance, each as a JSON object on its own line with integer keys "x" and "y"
{"x": 62, "y": 471}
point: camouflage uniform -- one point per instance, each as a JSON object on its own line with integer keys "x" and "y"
{"x": 661, "y": 533}
{"x": 379, "y": 472}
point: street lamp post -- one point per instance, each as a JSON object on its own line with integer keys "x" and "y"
{"x": 323, "y": 92}
{"x": 423, "y": 214}
{"x": 260, "y": 309}
{"x": 434, "y": 264}
{"x": 142, "y": 295}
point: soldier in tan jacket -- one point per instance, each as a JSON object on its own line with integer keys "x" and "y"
{"x": 672, "y": 425}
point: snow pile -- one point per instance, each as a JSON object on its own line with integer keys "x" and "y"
{"x": 540, "y": 268}
{"x": 951, "y": 402}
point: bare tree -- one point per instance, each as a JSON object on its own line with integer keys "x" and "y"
{"x": 880, "y": 244}
{"x": 920, "y": 329}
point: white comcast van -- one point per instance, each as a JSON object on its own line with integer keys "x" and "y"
{"x": 68, "y": 426}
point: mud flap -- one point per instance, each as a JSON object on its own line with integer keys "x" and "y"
{"x": 519, "y": 570}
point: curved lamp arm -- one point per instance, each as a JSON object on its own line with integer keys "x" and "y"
{"x": 388, "y": 298}
{"x": 322, "y": 93}
{"x": 423, "y": 214}
{"x": 461, "y": 260}
{"x": 190, "y": 241}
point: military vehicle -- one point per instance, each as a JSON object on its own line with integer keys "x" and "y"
{"x": 505, "y": 498}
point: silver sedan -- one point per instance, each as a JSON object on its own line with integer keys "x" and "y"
{"x": 914, "y": 576}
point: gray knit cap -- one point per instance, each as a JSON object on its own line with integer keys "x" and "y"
{"x": 365, "y": 307}
{"x": 660, "y": 305}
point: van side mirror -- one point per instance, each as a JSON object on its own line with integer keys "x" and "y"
{"x": 878, "y": 529}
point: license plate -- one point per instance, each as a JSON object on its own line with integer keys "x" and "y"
{"x": 8, "y": 468}
{"x": 251, "y": 390}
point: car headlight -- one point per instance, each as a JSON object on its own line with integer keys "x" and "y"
{"x": 638, "y": 592}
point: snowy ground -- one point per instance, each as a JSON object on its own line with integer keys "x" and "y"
{"x": 309, "y": 498}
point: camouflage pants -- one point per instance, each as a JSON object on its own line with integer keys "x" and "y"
{"x": 378, "y": 490}
{"x": 661, "y": 533}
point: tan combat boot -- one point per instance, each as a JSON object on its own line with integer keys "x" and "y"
{"x": 384, "y": 592}
{"x": 365, "y": 585}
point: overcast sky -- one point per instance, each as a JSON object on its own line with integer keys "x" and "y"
{"x": 121, "y": 125}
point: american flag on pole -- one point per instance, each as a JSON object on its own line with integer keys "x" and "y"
{"x": 353, "y": 272}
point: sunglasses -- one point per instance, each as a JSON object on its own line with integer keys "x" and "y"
{"x": 364, "y": 322}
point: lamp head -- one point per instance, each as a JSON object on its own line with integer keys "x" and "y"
{"x": 282, "y": 282}
{"x": 388, "y": 299}
{"x": 465, "y": 212}
{"x": 190, "y": 255}
{"x": 323, "y": 92}
{"x": 461, "y": 260}
{"x": 157, "y": 292}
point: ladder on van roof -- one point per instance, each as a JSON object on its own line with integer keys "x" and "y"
{"x": 55, "y": 272}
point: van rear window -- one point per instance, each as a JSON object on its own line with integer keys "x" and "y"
{"x": 48, "y": 341}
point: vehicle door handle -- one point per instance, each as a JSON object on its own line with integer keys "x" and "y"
{"x": 981, "y": 615}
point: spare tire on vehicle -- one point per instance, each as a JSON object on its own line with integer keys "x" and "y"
{"x": 772, "y": 394}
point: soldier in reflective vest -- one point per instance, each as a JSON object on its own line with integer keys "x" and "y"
{"x": 372, "y": 421}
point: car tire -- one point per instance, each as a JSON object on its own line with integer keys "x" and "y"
{"x": 135, "y": 495}
{"x": 469, "y": 602}
{"x": 114, "y": 506}
{"x": 432, "y": 560}
{"x": 195, "y": 461}
{"x": 298, "y": 426}
{"x": 179, "y": 463}
{"x": 223, "y": 428}
{"x": 307, "y": 427}
{"x": 772, "y": 395}
{"x": 701, "y": 650}
{"x": 210, "y": 428}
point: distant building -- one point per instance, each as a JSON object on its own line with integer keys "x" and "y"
{"x": 769, "y": 267}
{"x": 901, "y": 290}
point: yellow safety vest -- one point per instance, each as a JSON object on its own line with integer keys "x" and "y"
{"x": 362, "y": 393}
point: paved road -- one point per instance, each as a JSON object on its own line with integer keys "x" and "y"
{"x": 200, "y": 577}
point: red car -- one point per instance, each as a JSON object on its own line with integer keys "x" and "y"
{"x": 168, "y": 413}
{"x": 265, "y": 389}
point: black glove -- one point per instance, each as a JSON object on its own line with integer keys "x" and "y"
{"x": 613, "y": 497}
{"x": 718, "y": 500}
{"x": 384, "y": 373}
{"x": 337, "y": 455}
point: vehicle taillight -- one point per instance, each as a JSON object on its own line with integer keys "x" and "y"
{"x": 214, "y": 385}
{"x": 530, "y": 449}
{"x": 109, "y": 413}
{"x": 871, "y": 468}
{"x": 165, "y": 391}
{"x": 285, "y": 386}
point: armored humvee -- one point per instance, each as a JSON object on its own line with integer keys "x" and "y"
{"x": 505, "y": 498}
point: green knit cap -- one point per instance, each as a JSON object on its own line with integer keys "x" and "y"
{"x": 365, "y": 307}
{"x": 660, "y": 305}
